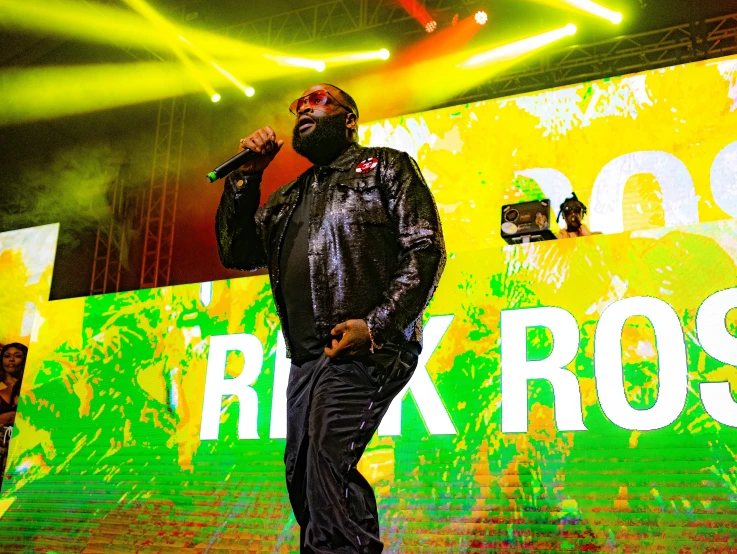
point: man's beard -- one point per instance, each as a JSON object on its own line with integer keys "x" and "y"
{"x": 325, "y": 142}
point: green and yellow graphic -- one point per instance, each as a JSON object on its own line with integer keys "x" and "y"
{"x": 624, "y": 346}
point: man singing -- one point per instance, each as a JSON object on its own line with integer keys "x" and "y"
{"x": 354, "y": 250}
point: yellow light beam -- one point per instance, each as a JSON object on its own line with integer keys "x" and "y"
{"x": 516, "y": 49}
{"x": 42, "y": 93}
{"x": 317, "y": 65}
{"x": 595, "y": 9}
{"x": 104, "y": 24}
{"x": 429, "y": 82}
{"x": 382, "y": 54}
{"x": 167, "y": 30}
{"x": 49, "y": 92}
{"x": 107, "y": 25}
{"x": 249, "y": 91}
{"x": 228, "y": 75}
{"x": 74, "y": 19}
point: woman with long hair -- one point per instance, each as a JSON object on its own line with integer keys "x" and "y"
{"x": 12, "y": 364}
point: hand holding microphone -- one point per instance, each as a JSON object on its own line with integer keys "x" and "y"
{"x": 264, "y": 143}
{"x": 256, "y": 153}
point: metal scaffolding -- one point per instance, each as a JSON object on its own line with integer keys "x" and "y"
{"x": 612, "y": 57}
{"x": 158, "y": 238}
{"x": 111, "y": 245}
{"x": 333, "y": 18}
{"x": 618, "y": 56}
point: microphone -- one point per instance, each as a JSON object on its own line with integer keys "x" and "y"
{"x": 231, "y": 165}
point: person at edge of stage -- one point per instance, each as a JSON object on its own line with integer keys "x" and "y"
{"x": 573, "y": 212}
{"x": 355, "y": 250}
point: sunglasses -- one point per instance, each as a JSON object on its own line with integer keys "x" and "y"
{"x": 316, "y": 99}
{"x": 572, "y": 210}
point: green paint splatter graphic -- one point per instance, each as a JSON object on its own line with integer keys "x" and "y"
{"x": 107, "y": 451}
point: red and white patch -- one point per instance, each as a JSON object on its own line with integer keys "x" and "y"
{"x": 366, "y": 166}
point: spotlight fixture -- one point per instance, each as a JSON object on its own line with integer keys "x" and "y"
{"x": 215, "y": 97}
{"x": 481, "y": 17}
{"x": 250, "y": 91}
{"x": 430, "y": 26}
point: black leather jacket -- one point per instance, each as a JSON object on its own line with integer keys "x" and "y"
{"x": 376, "y": 249}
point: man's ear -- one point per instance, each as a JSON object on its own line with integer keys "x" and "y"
{"x": 351, "y": 121}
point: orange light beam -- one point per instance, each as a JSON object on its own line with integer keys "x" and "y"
{"x": 417, "y": 10}
{"x": 451, "y": 39}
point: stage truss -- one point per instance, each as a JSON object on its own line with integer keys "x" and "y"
{"x": 690, "y": 42}
{"x": 112, "y": 243}
{"x": 685, "y": 43}
{"x": 333, "y": 19}
{"x": 163, "y": 193}
{"x": 159, "y": 202}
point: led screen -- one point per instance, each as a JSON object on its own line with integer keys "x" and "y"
{"x": 26, "y": 263}
{"x": 120, "y": 439}
{"x": 642, "y": 151}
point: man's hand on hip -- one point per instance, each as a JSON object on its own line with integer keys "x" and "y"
{"x": 353, "y": 338}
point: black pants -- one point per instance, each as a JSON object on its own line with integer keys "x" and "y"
{"x": 333, "y": 409}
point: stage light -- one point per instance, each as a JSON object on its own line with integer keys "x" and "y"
{"x": 384, "y": 54}
{"x": 481, "y": 17}
{"x": 447, "y": 41}
{"x": 519, "y": 48}
{"x": 227, "y": 75}
{"x": 250, "y": 91}
{"x": 417, "y": 10}
{"x": 596, "y": 9}
{"x": 219, "y": 69}
{"x": 215, "y": 97}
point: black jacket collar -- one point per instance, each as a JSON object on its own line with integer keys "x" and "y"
{"x": 348, "y": 159}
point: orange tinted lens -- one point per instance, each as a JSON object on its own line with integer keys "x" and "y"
{"x": 318, "y": 98}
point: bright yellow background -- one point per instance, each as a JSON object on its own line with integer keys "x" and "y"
{"x": 469, "y": 154}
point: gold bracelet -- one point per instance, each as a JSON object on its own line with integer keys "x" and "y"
{"x": 374, "y": 346}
